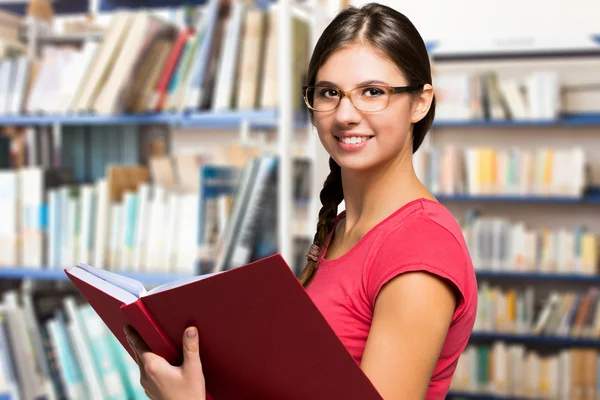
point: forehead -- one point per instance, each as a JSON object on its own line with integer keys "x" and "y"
{"x": 355, "y": 63}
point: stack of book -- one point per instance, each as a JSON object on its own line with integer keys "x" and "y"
{"x": 514, "y": 311}
{"x": 227, "y": 59}
{"x": 513, "y": 370}
{"x": 477, "y": 171}
{"x": 498, "y": 244}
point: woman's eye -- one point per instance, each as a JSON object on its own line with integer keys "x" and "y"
{"x": 373, "y": 92}
{"x": 328, "y": 93}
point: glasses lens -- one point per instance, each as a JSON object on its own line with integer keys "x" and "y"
{"x": 370, "y": 98}
{"x": 322, "y": 98}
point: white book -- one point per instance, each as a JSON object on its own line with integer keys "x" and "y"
{"x": 156, "y": 232}
{"x": 115, "y": 236}
{"x": 226, "y": 78}
{"x": 54, "y": 233}
{"x": 74, "y": 80}
{"x": 173, "y": 227}
{"x": 188, "y": 234}
{"x": 127, "y": 243}
{"x": 32, "y": 234}
{"x": 142, "y": 226}
{"x": 87, "y": 218}
{"x": 102, "y": 226}
{"x": 20, "y": 85}
{"x": 5, "y": 75}
{"x": 9, "y": 232}
{"x": 82, "y": 351}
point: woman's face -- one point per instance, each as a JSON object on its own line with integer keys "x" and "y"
{"x": 343, "y": 130}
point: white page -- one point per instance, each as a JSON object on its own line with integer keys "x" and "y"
{"x": 131, "y": 285}
{"x": 108, "y": 288}
{"x": 179, "y": 282}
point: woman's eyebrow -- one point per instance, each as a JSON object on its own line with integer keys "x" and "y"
{"x": 365, "y": 83}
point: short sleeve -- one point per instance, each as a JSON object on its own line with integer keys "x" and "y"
{"x": 420, "y": 244}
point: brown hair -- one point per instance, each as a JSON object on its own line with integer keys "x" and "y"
{"x": 392, "y": 35}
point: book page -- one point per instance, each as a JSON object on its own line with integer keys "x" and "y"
{"x": 179, "y": 282}
{"x": 105, "y": 286}
{"x": 130, "y": 285}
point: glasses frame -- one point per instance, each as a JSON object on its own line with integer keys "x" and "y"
{"x": 391, "y": 90}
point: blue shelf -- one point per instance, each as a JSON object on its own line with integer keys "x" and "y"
{"x": 59, "y": 7}
{"x": 589, "y": 119}
{"x": 26, "y": 120}
{"x": 59, "y": 275}
{"x": 540, "y": 276}
{"x": 258, "y": 119}
{"x": 480, "y": 396}
{"x": 108, "y": 5}
{"x": 591, "y": 198}
{"x": 536, "y": 339}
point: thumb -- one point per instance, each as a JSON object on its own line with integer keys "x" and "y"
{"x": 191, "y": 352}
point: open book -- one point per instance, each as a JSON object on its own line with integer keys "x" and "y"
{"x": 261, "y": 336}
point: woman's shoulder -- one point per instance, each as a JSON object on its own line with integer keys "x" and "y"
{"x": 427, "y": 239}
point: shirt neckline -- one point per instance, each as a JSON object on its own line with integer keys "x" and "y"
{"x": 353, "y": 249}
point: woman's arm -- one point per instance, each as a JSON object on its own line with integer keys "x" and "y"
{"x": 411, "y": 319}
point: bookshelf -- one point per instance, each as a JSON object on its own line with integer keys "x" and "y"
{"x": 537, "y": 340}
{"x": 542, "y": 277}
{"x": 8, "y": 272}
{"x": 481, "y": 377}
{"x": 583, "y": 119}
{"x": 481, "y": 396}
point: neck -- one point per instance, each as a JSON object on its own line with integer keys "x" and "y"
{"x": 372, "y": 195}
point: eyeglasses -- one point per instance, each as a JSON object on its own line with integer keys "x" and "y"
{"x": 371, "y": 98}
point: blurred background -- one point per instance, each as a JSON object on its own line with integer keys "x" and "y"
{"x": 168, "y": 138}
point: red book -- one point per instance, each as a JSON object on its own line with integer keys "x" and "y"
{"x": 261, "y": 336}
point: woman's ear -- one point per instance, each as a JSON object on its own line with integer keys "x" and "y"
{"x": 422, "y": 103}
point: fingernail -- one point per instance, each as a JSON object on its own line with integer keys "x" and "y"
{"x": 191, "y": 334}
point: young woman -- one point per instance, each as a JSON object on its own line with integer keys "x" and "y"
{"x": 391, "y": 274}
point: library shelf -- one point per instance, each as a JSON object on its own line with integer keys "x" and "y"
{"x": 480, "y": 396}
{"x": 554, "y": 277}
{"x": 588, "y": 198}
{"x": 58, "y": 7}
{"x": 530, "y": 339}
{"x": 59, "y": 275}
{"x": 265, "y": 119}
{"x": 584, "y": 119}
{"x": 109, "y": 5}
{"x": 89, "y": 119}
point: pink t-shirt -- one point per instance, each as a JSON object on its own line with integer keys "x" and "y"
{"x": 420, "y": 236}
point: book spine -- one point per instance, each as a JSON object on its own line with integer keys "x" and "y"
{"x": 145, "y": 324}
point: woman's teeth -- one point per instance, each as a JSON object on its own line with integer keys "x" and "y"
{"x": 354, "y": 139}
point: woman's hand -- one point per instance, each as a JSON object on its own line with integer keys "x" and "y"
{"x": 161, "y": 380}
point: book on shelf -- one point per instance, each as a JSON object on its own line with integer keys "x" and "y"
{"x": 518, "y": 88}
{"x": 297, "y": 357}
{"x": 225, "y": 59}
{"x": 61, "y": 351}
{"x": 513, "y": 171}
{"x": 515, "y": 311}
{"x": 514, "y": 370}
{"x": 499, "y": 244}
{"x": 170, "y": 218}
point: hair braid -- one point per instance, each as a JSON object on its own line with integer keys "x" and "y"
{"x": 331, "y": 196}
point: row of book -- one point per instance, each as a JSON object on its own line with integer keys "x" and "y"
{"x": 227, "y": 59}
{"x": 69, "y": 354}
{"x": 515, "y": 311}
{"x": 486, "y": 95}
{"x": 512, "y": 370}
{"x": 163, "y": 219}
{"x": 449, "y": 170}
{"x": 499, "y": 244}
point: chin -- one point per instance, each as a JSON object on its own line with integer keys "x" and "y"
{"x": 357, "y": 163}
